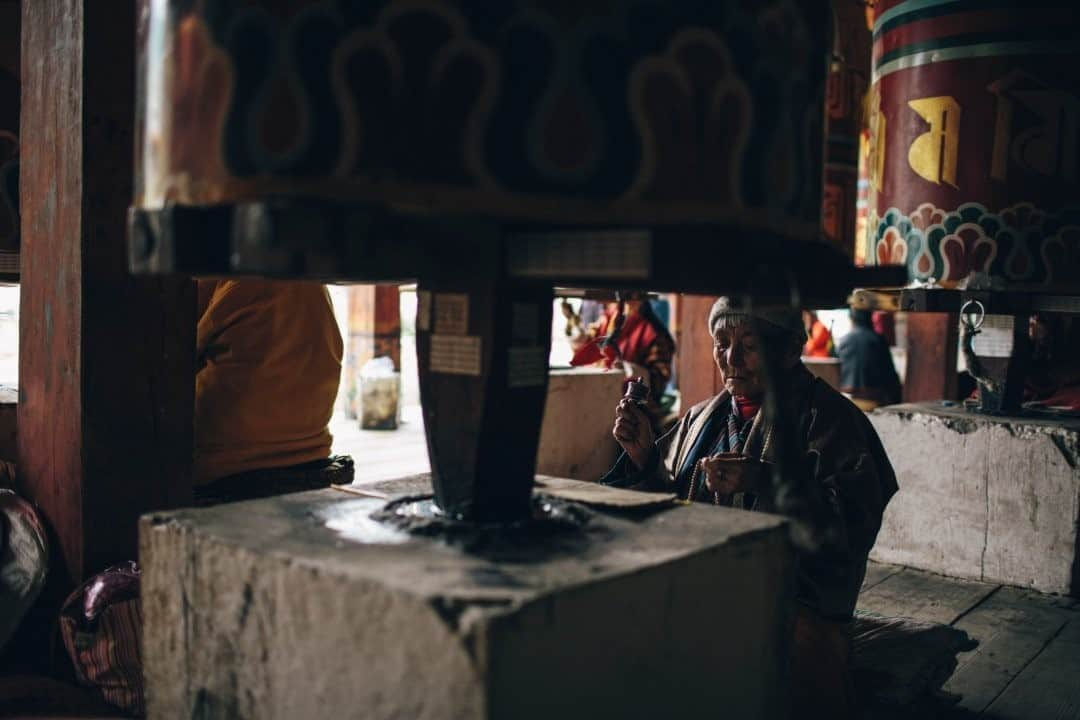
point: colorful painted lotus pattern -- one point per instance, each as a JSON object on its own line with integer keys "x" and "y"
{"x": 711, "y": 103}
{"x": 1021, "y": 243}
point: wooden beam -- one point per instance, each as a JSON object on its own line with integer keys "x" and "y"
{"x": 932, "y": 340}
{"x": 694, "y": 367}
{"x": 106, "y": 364}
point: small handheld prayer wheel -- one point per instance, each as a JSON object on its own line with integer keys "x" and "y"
{"x": 974, "y": 156}
{"x": 489, "y": 150}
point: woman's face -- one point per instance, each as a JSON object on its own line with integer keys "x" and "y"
{"x": 737, "y": 354}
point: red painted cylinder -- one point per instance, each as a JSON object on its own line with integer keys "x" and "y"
{"x": 975, "y": 142}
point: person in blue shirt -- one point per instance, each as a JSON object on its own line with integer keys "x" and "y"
{"x": 867, "y": 372}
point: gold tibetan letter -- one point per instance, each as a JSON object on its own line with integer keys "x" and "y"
{"x": 933, "y": 155}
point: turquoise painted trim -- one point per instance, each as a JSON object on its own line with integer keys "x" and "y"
{"x": 908, "y": 7}
{"x": 971, "y": 51}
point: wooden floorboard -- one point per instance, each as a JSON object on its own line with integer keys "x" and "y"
{"x": 876, "y": 573}
{"x": 924, "y": 596}
{"x": 1049, "y": 687}
{"x": 1012, "y": 627}
{"x": 1027, "y": 664}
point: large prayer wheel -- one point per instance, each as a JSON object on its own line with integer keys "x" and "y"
{"x": 585, "y": 113}
{"x": 490, "y": 149}
{"x": 975, "y": 142}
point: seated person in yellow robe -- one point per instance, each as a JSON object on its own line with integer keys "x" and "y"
{"x": 269, "y": 355}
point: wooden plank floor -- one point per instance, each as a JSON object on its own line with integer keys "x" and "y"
{"x": 1027, "y": 664}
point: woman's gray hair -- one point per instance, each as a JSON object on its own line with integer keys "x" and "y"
{"x": 727, "y": 313}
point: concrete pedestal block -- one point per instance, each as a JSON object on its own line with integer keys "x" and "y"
{"x": 982, "y": 497}
{"x": 575, "y": 439}
{"x": 303, "y": 607}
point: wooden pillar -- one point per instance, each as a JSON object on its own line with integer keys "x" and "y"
{"x": 932, "y": 340}
{"x": 9, "y": 140}
{"x": 483, "y": 339}
{"x": 374, "y": 330}
{"x": 106, "y": 365}
{"x": 9, "y": 201}
{"x": 697, "y": 373}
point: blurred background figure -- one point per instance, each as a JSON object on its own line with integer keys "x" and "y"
{"x": 1053, "y": 377}
{"x": 819, "y": 340}
{"x": 630, "y": 336}
{"x": 867, "y": 372}
{"x": 269, "y": 356}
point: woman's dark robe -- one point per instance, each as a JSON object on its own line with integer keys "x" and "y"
{"x": 843, "y": 465}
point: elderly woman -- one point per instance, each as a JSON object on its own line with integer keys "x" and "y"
{"x": 721, "y": 452}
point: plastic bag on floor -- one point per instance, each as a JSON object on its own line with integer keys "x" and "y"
{"x": 380, "y": 390}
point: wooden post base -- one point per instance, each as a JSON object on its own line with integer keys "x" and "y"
{"x": 482, "y": 343}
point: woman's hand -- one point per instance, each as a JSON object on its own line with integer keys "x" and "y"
{"x": 633, "y": 432}
{"x": 729, "y": 473}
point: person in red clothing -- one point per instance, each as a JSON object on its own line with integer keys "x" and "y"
{"x": 631, "y": 336}
{"x": 819, "y": 342}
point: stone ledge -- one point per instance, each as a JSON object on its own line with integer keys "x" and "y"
{"x": 297, "y": 607}
{"x": 983, "y": 497}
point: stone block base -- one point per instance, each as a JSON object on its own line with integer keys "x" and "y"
{"x": 575, "y": 439}
{"x": 982, "y": 497}
{"x": 303, "y": 607}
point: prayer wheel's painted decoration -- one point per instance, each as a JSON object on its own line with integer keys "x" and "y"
{"x": 692, "y": 110}
{"x": 975, "y": 141}
{"x": 489, "y": 149}
{"x": 849, "y": 78}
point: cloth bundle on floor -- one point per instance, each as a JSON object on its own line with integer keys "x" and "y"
{"x": 101, "y": 624}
